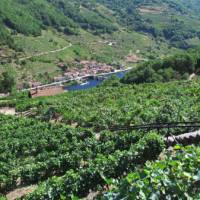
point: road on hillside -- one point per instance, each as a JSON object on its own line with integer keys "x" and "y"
{"x": 46, "y": 53}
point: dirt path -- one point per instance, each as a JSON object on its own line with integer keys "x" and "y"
{"x": 46, "y": 53}
{"x": 7, "y": 111}
{"x": 20, "y": 192}
{"x": 152, "y": 10}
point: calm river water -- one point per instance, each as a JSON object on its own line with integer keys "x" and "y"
{"x": 93, "y": 83}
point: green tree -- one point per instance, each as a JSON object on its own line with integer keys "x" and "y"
{"x": 7, "y": 82}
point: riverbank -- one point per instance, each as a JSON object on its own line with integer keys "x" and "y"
{"x": 95, "y": 81}
{"x": 78, "y": 79}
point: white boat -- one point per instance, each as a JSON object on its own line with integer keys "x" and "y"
{"x": 85, "y": 83}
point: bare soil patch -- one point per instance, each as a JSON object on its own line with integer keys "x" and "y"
{"x": 152, "y": 10}
{"x": 7, "y": 111}
{"x": 20, "y": 192}
{"x": 133, "y": 58}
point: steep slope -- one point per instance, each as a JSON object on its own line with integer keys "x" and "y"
{"x": 174, "y": 176}
{"x": 30, "y": 17}
{"x": 174, "y": 20}
{"x": 75, "y": 161}
{"x": 102, "y": 30}
{"x": 184, "y": 66}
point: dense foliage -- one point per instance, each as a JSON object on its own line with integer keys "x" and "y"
{"x": 101, "y": 16}
{"x": 32, "y": 151}
{"x": 94, "y": 174}
{"x": 175, "y": 176}
{"x": 30, "y": 17}
{"x": 177, "y": 67}
{"x": 104, "y": 107}
{"x": 167, "y": 23}
{"x": 7, "y": 82}
{"x": 71, "y": 161}
{"x": 67, "y": 146}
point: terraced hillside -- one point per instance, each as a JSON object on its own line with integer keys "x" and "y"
{"x": 99, "y": 16}
{"x": 72, "y": 147}
{"x": 106, "y": 31}
{"x": 63, "y": 151}
{"x": 81, "y": 144}
{"x": 108, "y": 106}
{"x": 176, "y": 21}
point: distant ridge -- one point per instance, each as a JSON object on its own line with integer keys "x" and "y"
{"x": 177, "y": 20}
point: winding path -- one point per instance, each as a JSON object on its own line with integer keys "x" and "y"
{"x": 46, "y": 53}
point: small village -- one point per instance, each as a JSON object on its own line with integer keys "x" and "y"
{"x": 85, "y": 68}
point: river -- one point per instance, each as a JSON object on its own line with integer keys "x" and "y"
{"x": 93, "y": 82}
